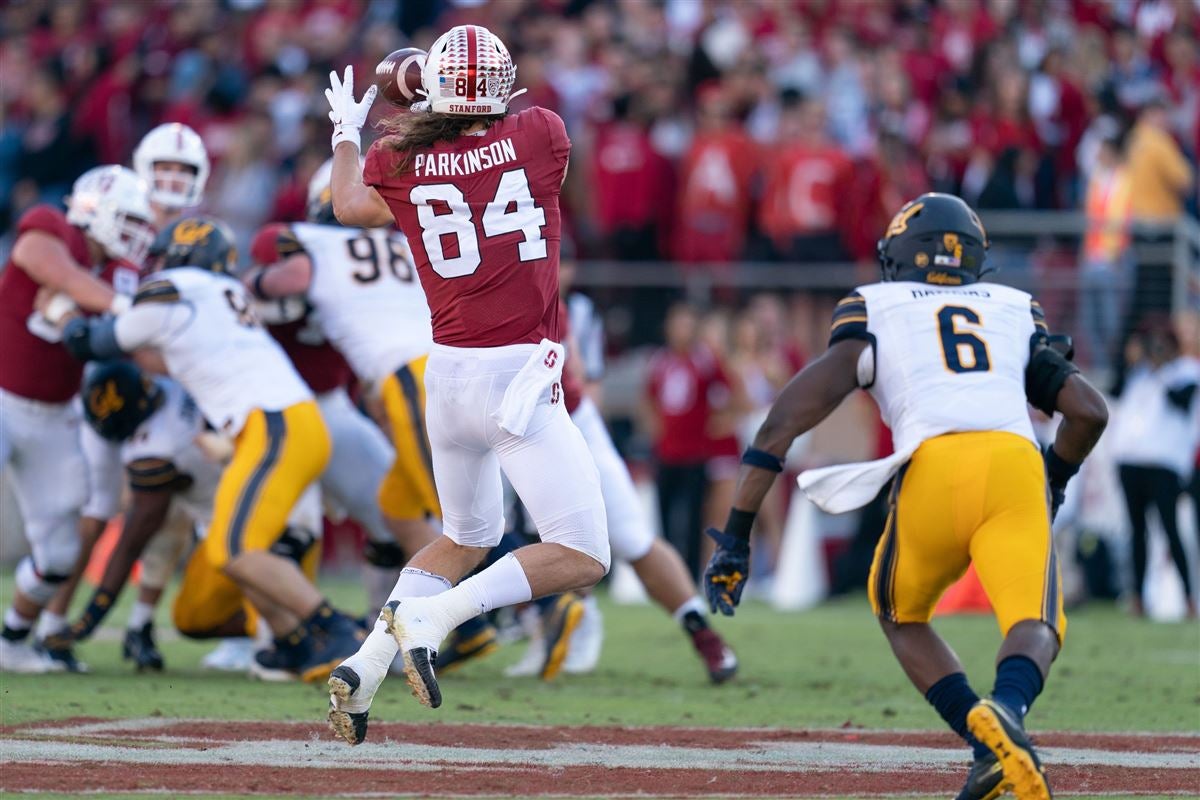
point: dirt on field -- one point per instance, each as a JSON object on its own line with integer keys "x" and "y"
{"x": 173, "y": 757}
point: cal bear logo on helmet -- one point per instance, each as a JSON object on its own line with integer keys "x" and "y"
{"x": 191, "y": 231}
{"x": 105, "y": 401}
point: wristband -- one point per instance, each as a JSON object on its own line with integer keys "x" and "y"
{"x": 256, "y": 285}
{"x": 762, "y": 459}
{"x": 120, "y": 304}
{"x": 739, "y": 523}
{"x": 1059, "y": 471}
{"x": 347, "y": 133}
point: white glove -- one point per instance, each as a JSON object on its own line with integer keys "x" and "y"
{"x": 347, "y": 116}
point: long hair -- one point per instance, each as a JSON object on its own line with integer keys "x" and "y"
{"x": 408, "y": 133}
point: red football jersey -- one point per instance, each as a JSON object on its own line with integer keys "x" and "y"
{"x": 31, "y": 367}
{"x": 482, "y": 218}
{"x": 685, "y": 389}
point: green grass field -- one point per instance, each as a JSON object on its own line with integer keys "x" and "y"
{"x": 822, "y": 668}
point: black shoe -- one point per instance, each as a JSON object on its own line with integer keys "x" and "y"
{"x": 284, "y": 660}
{"x": 333, "y": 638}
{"x": 139, "y": 647}
{"x": 984, "y": 780}
{"x": 60, "y": 650}
{"x": 350, "y": 725}
{"x": 997, "y": 729}
{"x": 462, "y": 646}
{"x": 559, "y": 624}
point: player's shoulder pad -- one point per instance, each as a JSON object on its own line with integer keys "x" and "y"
{"x": 152, "y": 474}
{"x": 1039, "y": 317}
{"x": 1045, "y": 375}
{"x": 157, "y": 289}
{"x": 849, "y": 319}
{"x": 43, "y": 217}
{"x": 274, "y": 242}
{"x": 556, "y": 129}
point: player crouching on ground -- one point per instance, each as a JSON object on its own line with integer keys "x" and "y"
{"x": 952, "y": 364}
{"x": 200, "y": 318}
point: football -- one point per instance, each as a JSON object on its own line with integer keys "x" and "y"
{"x": 399, "y": 76}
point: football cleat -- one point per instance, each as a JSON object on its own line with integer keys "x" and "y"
{"x": 23, "y": 658}
{"x": 477, "y": 641}
{"x": 718, "y": 657}
{"x": 984, "y": 781}
{"x": 139, "y": 647}
{"x": 587, "y": 642}
{"x": 61, "y": 651}
{"x": 349, "y": 725}
{"x": 994, "y": 726}
{"x": 331, "y": 640}
{"x": 558, "y": 627}
{"x": 402, "y": 624}
{"x": 235, "y": 654}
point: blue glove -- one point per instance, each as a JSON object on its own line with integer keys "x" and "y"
{"x": 727, "y": 571}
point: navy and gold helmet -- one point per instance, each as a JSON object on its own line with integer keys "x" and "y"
{"x": 117, "y": 398}
{"x": 936, "y": 238}
{"x": 201, "y": 242}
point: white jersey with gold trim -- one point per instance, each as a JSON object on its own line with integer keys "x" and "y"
{"x": 368, "y": 300}
{"x": 943, "y": 359}
{"x": 204, "y": 325}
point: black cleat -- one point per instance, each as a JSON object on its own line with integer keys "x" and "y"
{"x": 331, "y": 640}
{"x": 61, "y": 651}
{"x": 139, "y": 647}
{"x": 984, "y": 780}
{"x": 459, "y": 649}
{"x": 995, "y": 727}
{"x": 559, "y": 624}
{"x": 418, "y": 661}
{"x": 349, "y": 725}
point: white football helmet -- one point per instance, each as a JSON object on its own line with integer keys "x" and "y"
{"x": 175, "y": 143}
{"x": 469, "y": 72}
{"x": 119, "y": 217}
{"x": 85, "y": 193}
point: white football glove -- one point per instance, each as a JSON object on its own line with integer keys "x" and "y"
{"x": 347, "y": 116}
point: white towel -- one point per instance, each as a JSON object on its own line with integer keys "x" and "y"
{"x": 845, "y": 487}
{"x": 542, "y": 369}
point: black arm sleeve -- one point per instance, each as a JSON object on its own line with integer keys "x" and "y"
{"x": 1044, "y": 377}
{"x": 92, "y": 339}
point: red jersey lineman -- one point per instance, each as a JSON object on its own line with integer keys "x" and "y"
{"x": 475, "y": 190}
{"x": 39, "y": 429}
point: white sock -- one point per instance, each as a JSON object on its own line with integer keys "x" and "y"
{"x": 139, "y": 616}
{"x": 16, "y": 622}
{"x": 49, "y": 624}
{"x": 502, "y": 584}
{"x": 694, "y": 604}
{"x": 380, "y": 647}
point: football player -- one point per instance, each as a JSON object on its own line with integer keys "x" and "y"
{"x": 362, "y": 287}
{"x": 202, "y": 321}
{"x": 173, "y": 162}
{"x": 56, "y": 257}
{"x": 475, "y": 190}
{"x": 158, "y": 430}
{"x": 952, "y": 363}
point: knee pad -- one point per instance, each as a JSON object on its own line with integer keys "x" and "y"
{"x": 294, "y": 544}
{"x": 584, "y": 530}
{"x": 385, "y": 555}
{"x": 36, "y": 585}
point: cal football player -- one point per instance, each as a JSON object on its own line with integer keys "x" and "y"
{"x": 200, "y": 318}
{"x": 952, "y": 362}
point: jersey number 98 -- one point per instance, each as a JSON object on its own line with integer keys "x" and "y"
{"x": 458, "y": 226}
{"x": 963, "y": 350}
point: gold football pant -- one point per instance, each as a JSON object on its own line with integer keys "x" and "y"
{"x": 276, "y": 456}
{"x": 407, "y": 491}
{"x": 969, "y": 498}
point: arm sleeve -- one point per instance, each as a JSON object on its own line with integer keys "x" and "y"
{"x": 152, "y": 474}
{"x": 849, "y": 319}
{"x": 150, "y": 324}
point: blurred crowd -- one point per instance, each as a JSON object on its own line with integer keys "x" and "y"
{"x": 704, "y": 130}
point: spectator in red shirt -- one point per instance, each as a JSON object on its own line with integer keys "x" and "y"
{"x": 802, "y": 202}
{"x": 714, "y": 186}
{"x": 685, "y": 382}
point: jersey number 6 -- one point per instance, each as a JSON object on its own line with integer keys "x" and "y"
{"x": 963, "y": 350}
{"x": 457, "y": 223}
